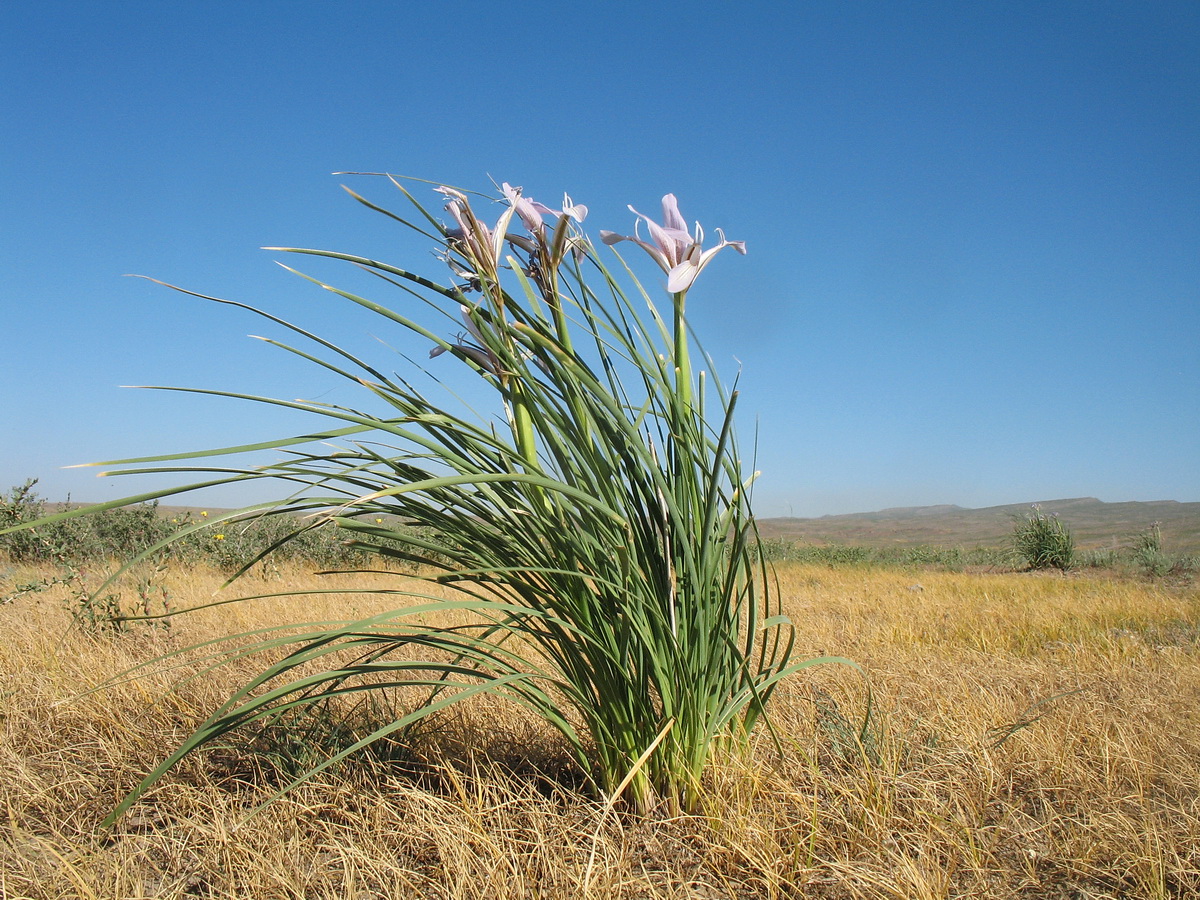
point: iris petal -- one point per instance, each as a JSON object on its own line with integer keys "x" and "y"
{"x": 672, "y": 218}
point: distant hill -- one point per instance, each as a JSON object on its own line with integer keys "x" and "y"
{"x": 1093, "y": 522}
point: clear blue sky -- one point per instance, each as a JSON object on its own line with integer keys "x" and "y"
{"x": 973, "y": 228}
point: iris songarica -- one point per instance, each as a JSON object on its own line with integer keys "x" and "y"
{"x": 677, "y": 251}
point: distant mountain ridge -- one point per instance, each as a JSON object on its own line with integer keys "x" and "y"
{"x": 1093, "y": 522}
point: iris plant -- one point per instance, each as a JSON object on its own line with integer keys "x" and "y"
{"x": 596, "y": 524}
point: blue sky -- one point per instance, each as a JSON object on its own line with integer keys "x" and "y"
{"x": 973, "y": 228}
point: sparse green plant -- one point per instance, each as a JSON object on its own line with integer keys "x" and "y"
{"x": 1148, "y": 551}
{"x": 1105, "y": 558}
{"x": 843, "y": 554}
{"x": 837, "y": 555}
{"x": 1028, "y": 717}
{"x": 949, "y": 557}
{"x": 1149, "y": 539}
{"x": 846, "y": 741}
{"x": 1043, "y": 541}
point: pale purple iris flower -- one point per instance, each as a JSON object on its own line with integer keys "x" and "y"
{"x": 677, "y": 252}
{"x": 471, "y": 344}
{"x": 530, "y": 212}
{"x": 576, "y": 211}
{"x": 483, "y": 247}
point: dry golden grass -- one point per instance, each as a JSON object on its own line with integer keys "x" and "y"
{"x": 962, "y": 788}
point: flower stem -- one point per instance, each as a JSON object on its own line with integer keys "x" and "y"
{"x": 683, "y": 366}
{"x": 523, "y": 426}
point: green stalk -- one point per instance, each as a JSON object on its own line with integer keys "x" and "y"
{"x": 555, "y": 256}
{"x": 523, "y": 428}
{"x": 683, "y": 367}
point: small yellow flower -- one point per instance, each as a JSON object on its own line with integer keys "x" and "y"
{"x": 205, "y": 513}
{"x": 219, "y": 537}
{"x": 379, "y": 521}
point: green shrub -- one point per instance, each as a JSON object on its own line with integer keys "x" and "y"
{"x": 120, "y": 533}
{"x": 19, "y": 506}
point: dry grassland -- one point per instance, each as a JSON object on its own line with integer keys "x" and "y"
{"x": 963, "y": 786}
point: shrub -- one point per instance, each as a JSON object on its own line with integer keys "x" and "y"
{"x": 19, "y": 507}
{"x": 1043, "y": 541}
{"x": 119, "y": 533}
{"x": 235, "y": 545}
{"x": 122, "y": 533}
